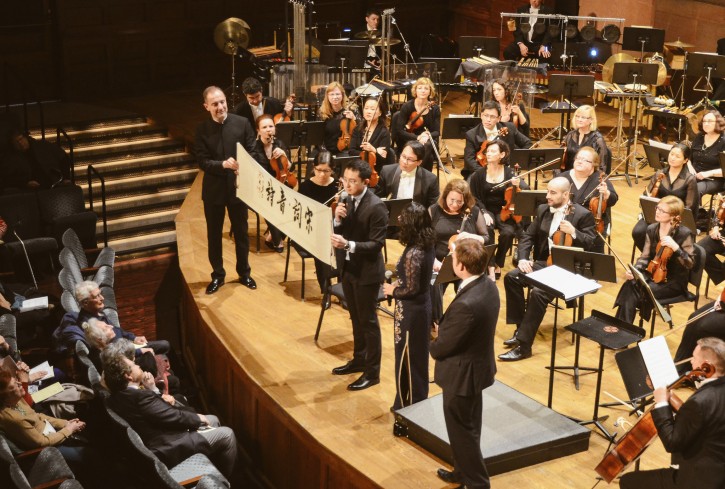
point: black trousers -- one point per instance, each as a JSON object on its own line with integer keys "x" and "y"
{"x": 527, "y": 320}
{"x": 630, "y": 296}
{"x": 238, "y": 214}
{"x": 412, "y": 354}
{"x": 463, "y": 423}
{"x": 713, "y": 266}
{"x": 506, "y": 233}
{"x": 362, "y": 301}
{"x": 649, "y": 479}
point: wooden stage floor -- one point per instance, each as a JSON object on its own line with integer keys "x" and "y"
{"x": 269, "y": 380}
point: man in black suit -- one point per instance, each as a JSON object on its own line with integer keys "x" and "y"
{"x": 256, "y": 104}
{"x": 696, "y": 435}
{"x": 361, "y": 221}
{"x": 216, "y": 151}
{"x": 558, "y": 214}
{"x": 407, "y": 180}
{"x": 464, "y": 362}
{"x": 490, "y": 128}
{"x": 536, "y": 39}
{"x": 171, "y": 433}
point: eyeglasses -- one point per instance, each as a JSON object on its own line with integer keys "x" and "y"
{"x": 351, "y": 181}
{"x": 320, "y": 170}
{"x": 489, "y": 116}
{"x": 454, "y": 202}
{"x": 406, "y": 159}
{"x": 660, "y": 209}
{"x": 583, "y": 160}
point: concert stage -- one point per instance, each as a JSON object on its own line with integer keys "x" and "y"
{"x": 517, "y": 431}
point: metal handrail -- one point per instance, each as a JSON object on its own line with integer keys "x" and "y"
{"x": 24, "y": 87}
{"x": 90, "y": 173}
{"x": 71, "y": 159}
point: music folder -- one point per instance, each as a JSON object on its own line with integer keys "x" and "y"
{"x": 562, "y": 283}
{"x": 395, "y": 209}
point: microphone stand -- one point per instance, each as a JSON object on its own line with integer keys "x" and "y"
{"x": 406, "y": 46}
{"x": 27, "y": 259}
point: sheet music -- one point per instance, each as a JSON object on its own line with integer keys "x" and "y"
{"x": 656, "y": 355}
{"x": 567, "y": 283}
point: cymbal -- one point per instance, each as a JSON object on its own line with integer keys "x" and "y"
{"x": 367, "y": 35}
{"x": 678, "y": 44}
{"x": 608, "y": 69}
{"x": 231, "y": 34}
{"x": 382, "y": 42}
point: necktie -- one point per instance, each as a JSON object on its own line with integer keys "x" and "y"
{"x": 491, "y": 134}
{"x": 407, "y": 174}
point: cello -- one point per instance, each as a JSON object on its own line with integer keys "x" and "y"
{"x": 633, "y": 444}
{"x": 507, "y": 211}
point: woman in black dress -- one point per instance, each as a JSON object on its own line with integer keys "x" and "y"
{"x": 333, "y": 110}
{"x": 674, "y": 179}
{"x": 423, "y": 92}
{"x": 266, "y": 148}
{"x": 372, "y": 133}
{"x": 584, "y": 133}
{"x": 667, "y": 232}
{"x": 321, "y": 187}
{"x": 706, "y": 148}
{"x": 491, "y": 200}
{"x": 413, "y": 313}
{"x": 510, "y": 111}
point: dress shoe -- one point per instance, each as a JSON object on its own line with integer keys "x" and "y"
{"x": 214, "y": 285}
{"x": 248, "y": 282}
{"x": 363, "y": 383}
{"x": 451, "y": 477}
{"x": 348, "y": 368}
{"x": 511, "y": 342}
{"x": 515, "y": 355}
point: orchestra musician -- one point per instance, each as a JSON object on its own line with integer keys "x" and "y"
{"x": 714, "y": 245}
{"x": 334, "y": 108}
{"x": 255, "y": 104}
{"x": 537, "y": 39}
{"x": 490, "y": 128}
{"x": 665, "y": 232}
{"x": 407, "y": 179}
{"x": 584, "y": 133}
{"x": 712, "y": 324}
{"x": 673, "y": 179}
{"x": 266, "y": 147}
{"x": 512, "y": 110}
{"x": 558, "y": 214}
{"x": 706, "y": 148}
{"x": 372, "y": 20}
{"x": 491, "y": 200}
{"x": 372, "y": 133}
{"x": 585, "y": 177}
{"x": 694, "y": 436}
{"x": 360, "y": 225}
{"x": 421, "y": 106}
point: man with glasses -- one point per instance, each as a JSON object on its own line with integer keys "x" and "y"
{"x": 408, "y": 180}
{"x": 558, "y": 214}
{"x": 360, "y": 225}
{"x": 491, "y": 128}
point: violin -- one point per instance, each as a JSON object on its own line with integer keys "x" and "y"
{"x": 481, "y": 155}
{"x": 633, "y": 444}
{"x": 598, "y": 205}
{"x": 720, "y": 213}
{"x": 453, "y": 238}
{"x": 415, "y": 121}
{"x": 657, "y": 267}
{"x": 656, "y": 186}
{"x": 282, "y": 116}
{"x": 371, "y": 156}
{"x": 346, "y": 128}
{"x": 507, "y": 211}
{"x": 560, "y": 238}
{"x": 280, "y": 166}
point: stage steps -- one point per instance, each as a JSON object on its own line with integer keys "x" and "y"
{"x": 147, "y": 176}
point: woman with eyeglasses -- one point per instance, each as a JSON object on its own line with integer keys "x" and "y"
{"x": 665, "y": 232}
{"x": 585, "y": 178}
{"x": 491, "y": 200}
{"x": 673, "y": 179}
{"x": 320, "y": 187}
{"x": 584, "y": 133}
{"x": 706, "y": 148}
{"x": 335, "y": 107}
{"x": 413, "y": 313}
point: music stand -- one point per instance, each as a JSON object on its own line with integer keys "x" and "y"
{"x": 657, "y": 307}
{"x": 395, "y": 209}
{"x": 527, "y": 201}
{"x": 648, "y": 205}
{"x": 561, "y": 284}
{"x": 301, "y": 133}
{"x": 567, "y": 87}
{"x": 528, "y": 159}
{"x": 637, "y": 74}
{"x": 338, "y": 163}
{"x": 470, "y": 46}
{"x": 444, "y": 68}
{"x": 656, "y": 156}
{"x": 643, "y": 39}
{"x": 594, "y": 266}
{"x": 708, "y": 66}
{"x": 609, "y": 333}
{"x": 344, "y": 56}
{"x": 457, "y": 127}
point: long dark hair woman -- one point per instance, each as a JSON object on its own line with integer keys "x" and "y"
{"x": 413, "y": 308}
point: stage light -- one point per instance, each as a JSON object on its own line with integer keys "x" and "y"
{"x": 593, "y": 52}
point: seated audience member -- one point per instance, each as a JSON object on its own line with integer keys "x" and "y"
{"x": 172, "y": 433}
{"x": 32, "y": 164}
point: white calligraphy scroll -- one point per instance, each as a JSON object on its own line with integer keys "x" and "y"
{"x": 306, "y": 221}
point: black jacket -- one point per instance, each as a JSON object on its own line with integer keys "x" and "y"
{"x": 425, "y": 189}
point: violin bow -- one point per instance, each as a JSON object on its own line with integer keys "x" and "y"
{"x": 603, "y": 180}
{"x": 548, "y": 163}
